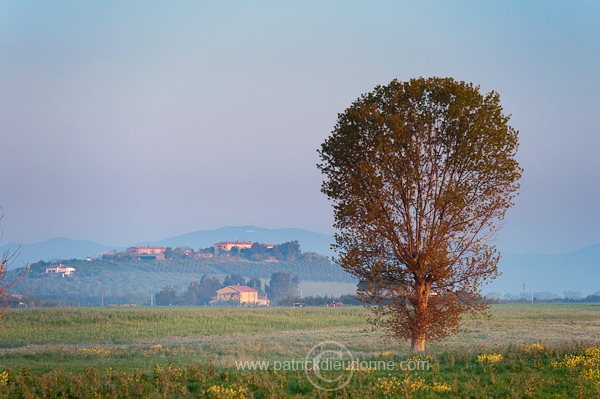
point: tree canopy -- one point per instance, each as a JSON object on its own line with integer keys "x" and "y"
{"x": 200, "y": 293}
{"x": 281, "y": 286}
{"x": 234, "y": 279}
{"x": 421, "y": 174}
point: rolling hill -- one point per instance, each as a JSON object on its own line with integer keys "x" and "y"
{"x": 66, "y": 248}
{"x": 55, "y": 248}
{"x": 310, "y": 241}
{"x": 577, "y": 270}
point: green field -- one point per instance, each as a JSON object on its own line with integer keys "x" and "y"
{"x": 192, "y": 352}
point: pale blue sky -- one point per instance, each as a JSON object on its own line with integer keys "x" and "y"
{"x": 129, "y": 121}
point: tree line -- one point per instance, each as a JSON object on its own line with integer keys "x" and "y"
{"x": 200, "y": 293}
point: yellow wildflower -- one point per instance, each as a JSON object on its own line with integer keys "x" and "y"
{"x": 221, "y": 392}
{"x": 534, "y": 348}
{"x": 491, "y": 358}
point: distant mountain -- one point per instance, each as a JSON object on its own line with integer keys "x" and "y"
{"x": 55, "y": 248}
{"x": 309, "y": 240}
{"x": 578, "y": 270}
{"x": 66, "y": 248}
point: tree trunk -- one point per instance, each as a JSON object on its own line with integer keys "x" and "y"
{"x": 421, "y": 316}
{"x": 418, "y": 344}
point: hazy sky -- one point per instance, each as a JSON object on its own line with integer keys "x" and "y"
{"x": 124, "y": 121}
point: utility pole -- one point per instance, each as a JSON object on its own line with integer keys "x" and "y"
{"x": 102, "y": 295}
{"x": 531, "y": 296}
{"x": 523, "y": 292}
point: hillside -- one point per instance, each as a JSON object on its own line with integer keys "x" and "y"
{"x": 66, "y": 248}
{"x": 310, "y": 241}
{"x": 55, "y": 248}
{"x": 145, "y": 278}
{"x": 577, "y": 270}
{"x": 556, "y": 273}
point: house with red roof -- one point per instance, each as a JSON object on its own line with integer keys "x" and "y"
{"x": 242, "y": 294}
{"x": 226, "y": 246}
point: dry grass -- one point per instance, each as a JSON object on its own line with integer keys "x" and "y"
{"x": 170, "y": 353}
{"x": 200, "y": 334}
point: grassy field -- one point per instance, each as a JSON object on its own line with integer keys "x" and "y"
{"x": 539, "y": 350}
{"x": 322, "y": 288}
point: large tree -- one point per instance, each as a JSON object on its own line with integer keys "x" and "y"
{"x": 200, "y": 293}
{"x": 166, "y": 297}
{"x": 282, "y": 286}
{"x": 421, "y": 174}
{"x": 234, "y": 279}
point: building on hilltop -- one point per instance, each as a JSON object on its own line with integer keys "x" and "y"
{"x": 242, "y": 294}
{"x": 60, "y": 269}
{"x": 227, "y": 246}
{"x": 147, "y": 252}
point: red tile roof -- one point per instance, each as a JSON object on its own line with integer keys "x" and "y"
{"x": 242, "y": 288}
{"x": 235, "y": 242}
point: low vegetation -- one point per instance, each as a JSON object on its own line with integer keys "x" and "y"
{"x": 521, "y": 351}
{"x": 128, "y": 281}
{"x": 565, "y": 371}
{"x": 106, "y": 326}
